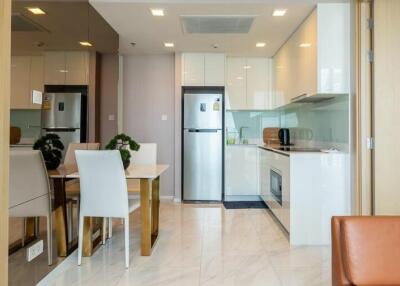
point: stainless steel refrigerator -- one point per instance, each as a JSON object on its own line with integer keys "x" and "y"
{"x": 202, "y": 146}
{"x": 64, "y": 114}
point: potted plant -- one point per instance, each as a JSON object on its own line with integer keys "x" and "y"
{"x": 121, "y": 142}
{"x": 51, "y": 148}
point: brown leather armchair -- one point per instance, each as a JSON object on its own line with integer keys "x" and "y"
{"x": 365, "y": 251}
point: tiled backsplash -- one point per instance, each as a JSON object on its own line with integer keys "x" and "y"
{"x": 28, "y": 121}
{"x": 324, "y": 124}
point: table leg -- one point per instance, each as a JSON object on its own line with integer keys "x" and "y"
{"x": 60, "y": 216}
{"x": 155, "y": 209}
{"x": 146, "y": 217}
{"x": 87, "y": 247}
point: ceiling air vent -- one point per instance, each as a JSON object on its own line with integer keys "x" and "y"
{"x": 21, "y": 23}
{"x": 217, "y": 24}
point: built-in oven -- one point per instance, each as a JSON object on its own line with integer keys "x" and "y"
{"x": 276, "y": 184}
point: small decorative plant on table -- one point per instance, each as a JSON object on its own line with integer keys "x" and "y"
{"x": 51, "y": 148}
{"x": 123, "y": 143}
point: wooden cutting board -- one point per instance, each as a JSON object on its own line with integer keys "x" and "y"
{"x": 15, "y": 135}
{"x": 270, "y": 135}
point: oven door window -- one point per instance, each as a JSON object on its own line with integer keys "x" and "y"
{"x": 276, "y": 186}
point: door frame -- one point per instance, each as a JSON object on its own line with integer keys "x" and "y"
{"x": 5, "y": 65}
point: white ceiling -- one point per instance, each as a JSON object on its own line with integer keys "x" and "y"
{"x": 134, "y": 23}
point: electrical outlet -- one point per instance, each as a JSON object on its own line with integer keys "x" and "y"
{"x": 34, "y": 251}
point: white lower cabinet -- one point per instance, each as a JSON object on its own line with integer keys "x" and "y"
{"x": 241, "y": 172}
{"x": 315, "y": 187}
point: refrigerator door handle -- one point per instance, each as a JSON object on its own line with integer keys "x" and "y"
{"x": 204, "y": 130}
{"x": 60, "y": 129}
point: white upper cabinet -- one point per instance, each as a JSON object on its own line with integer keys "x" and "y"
{"x": 199, "y": 69}
{"x": 248, "y": 83}
{"x": 315, "y": 59}
{"x": 54, "y": 67}
{"x": 77, "y": 65}
{"x": 26, "y": 76}
{"x": 66, "y": 68}
{"x": 235, "y": 90}
{"x": 214, "y": 69}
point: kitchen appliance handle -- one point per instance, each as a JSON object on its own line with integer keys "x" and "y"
{"x": 60, "y": 129}
{"x": 203, "y": 130}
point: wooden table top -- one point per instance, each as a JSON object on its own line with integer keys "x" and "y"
{"x": 133, "y": 172}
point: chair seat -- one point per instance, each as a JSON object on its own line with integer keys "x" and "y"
{"x": 133, "y": 204}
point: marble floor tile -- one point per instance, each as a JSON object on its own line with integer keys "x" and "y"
{"x": 203, "y": 245}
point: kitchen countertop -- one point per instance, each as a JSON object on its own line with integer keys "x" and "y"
{"x": 287, "y": 150}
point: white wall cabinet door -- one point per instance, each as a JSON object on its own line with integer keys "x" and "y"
{"x": 54, "y": 68}
{"x": 193, "y": 69}
{"x": 214, "y": 69}
{"x": 77, "y": 65}
{"x": 256, "y": 87}
{"x": 241, "y": 171}
{"x": 20, "y": 82}
{"x": 235, "y": 88}
{"x": 36, "y": 78}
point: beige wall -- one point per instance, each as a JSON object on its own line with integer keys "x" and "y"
{"x": 149, "y": 93}
{"x": 108, "y": 97}
{"x": 5, "y": 57}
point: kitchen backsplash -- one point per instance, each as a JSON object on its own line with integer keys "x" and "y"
{"x": 28, "y": 121}
{"x": 324, "y": 124}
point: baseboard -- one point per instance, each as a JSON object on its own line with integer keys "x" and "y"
{"x": 177, "y": 200}
{"x": 167, "y": 198}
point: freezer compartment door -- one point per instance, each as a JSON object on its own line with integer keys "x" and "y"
{"x": 61, "y": 110}
{"x": 202, "y": 165}
{"x": 202, "y": 111}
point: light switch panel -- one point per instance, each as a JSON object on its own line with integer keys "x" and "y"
{"x": 111, "y": 117}
{"x": 164, "y": 117}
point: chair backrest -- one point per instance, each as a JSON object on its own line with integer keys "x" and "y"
{"x": 146, "y": 155}
{"x": 366, "y": 250}
{"x": 102, "y": 183}
{"x": 70, "y": 160}
{"x": 29, "y": 184}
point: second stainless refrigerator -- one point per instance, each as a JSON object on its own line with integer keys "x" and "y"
{"x": 202, "y": 145}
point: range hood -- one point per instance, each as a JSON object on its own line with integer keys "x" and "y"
{"x": 314, "y": 98}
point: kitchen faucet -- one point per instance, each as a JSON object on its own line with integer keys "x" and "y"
{"x": 241, "y": 137}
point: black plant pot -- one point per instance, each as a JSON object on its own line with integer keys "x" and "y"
{"x": 52, "y": 165}
{"x": 126, "y": 163}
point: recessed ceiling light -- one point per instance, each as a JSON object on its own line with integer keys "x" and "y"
{"x": 260, "y": 45}
{"x": 85, "y": 44}
{"x": 36, "y": 10}
{"x": 247, "y": 67}
{"x": 157, "y": 12}
{"x": 279, "y": 12}
{"x": 169, "y": 45}
{"x": 305, "y": 45}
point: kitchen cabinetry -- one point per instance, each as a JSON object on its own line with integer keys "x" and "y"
{"x": 26, "y": 76}
{"x": 315, "y": 59}
{"x": 241, "y": 173}
{"x": 66, "y": 68}
{"x": 199, "y": 69}
{"x": 248, "y": 83}
{"x": 315, "y": 186}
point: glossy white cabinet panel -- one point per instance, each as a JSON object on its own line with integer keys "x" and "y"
{"x": 193, "y": 69}
{"x": 77, "y": 65}
{"x": 235, "y": 87}
{"x": 315, "y": 187}
{"x": 256, "y": 79}
{"x": 54, "y": 68}
{"x": 20, "y": 82}
{"x": 214, "y": 69}
{"x": 241, "y": 171}
{"x": 36, "y": 78}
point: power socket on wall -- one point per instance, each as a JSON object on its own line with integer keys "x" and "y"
{"x": 34, "y": 251}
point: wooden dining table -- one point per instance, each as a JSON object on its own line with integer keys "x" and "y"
{"x": 149, "y": 176}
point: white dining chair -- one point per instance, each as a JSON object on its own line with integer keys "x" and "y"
{"x": 146, "y": 155}
{"x": 72, "y": 187}
{"x": 29, "y": 191}
{"x": 103, "y": 191}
